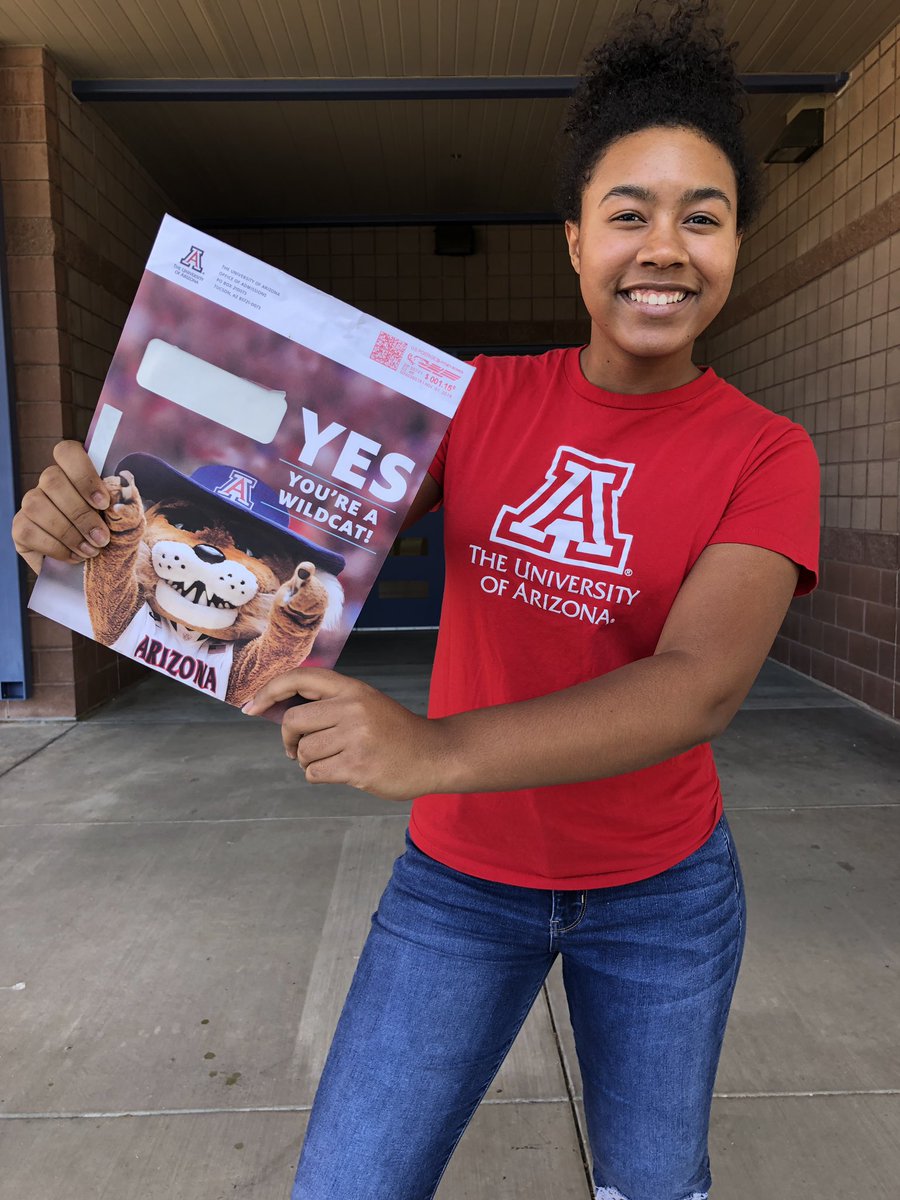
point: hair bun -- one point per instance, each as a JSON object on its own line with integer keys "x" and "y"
{"x": 663, "y": 64}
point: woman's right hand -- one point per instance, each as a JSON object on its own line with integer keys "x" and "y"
{"x": 62, "y": 516}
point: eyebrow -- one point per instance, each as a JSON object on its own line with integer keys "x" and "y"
{"x": 692, "y": 196}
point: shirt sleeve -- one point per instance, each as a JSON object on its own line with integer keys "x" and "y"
{"x": 775, "y": 503}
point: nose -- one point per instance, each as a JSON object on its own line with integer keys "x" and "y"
{"x": 662, "y": 246}
{"x": 209, "y": 554}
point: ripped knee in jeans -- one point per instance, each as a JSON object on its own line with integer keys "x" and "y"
{"x": 611, "y": 1193}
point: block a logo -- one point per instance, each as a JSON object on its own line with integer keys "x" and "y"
{"x": 238, "y": 489}
{"x": 573, "y": 517}
{"x": 193, "y": 259}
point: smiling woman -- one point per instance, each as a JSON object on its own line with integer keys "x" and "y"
{"x": 624, "y": 532}
{"x": 566, "y": 797}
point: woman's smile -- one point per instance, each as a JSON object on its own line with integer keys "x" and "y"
{"x": 656, "y": 301}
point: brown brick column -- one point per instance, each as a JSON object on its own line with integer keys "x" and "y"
{"x": 76, "y": 240}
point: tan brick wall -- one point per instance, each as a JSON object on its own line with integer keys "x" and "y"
{"x": 518, "y": 288}
{"x": 80, "y": 216}
{"x": 813, "y": 331}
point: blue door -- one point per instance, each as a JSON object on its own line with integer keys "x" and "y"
{"x": 407, "y": 593}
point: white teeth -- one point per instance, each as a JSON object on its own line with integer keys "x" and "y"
{"x": 199, "y": 595}
{"x": 656, "y": 298}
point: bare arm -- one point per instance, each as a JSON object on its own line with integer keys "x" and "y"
{"x": 427, "y": 497}
{"x": 716, "y": 638}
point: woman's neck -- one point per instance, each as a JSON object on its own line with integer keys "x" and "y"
{"x": 637, "y": 376}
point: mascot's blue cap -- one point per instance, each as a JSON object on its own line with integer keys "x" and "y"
{"x": 233, "y": 486}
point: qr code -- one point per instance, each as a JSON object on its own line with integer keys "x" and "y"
{"x": 389, "y": 350}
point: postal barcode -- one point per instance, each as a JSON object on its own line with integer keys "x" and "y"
{"x": 389, "y": 350}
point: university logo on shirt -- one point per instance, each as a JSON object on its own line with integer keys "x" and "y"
{"x": 573, "y": 517}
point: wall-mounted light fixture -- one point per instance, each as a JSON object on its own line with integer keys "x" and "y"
{"x": 802, "y": 136}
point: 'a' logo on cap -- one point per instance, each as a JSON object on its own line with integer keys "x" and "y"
{"x": 238, "y": 489}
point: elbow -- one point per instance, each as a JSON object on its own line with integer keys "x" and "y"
{"x": 705, "y": 702}
{"x": 719, "y": 714}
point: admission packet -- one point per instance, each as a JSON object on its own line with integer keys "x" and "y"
{"x": 262, "y": 442}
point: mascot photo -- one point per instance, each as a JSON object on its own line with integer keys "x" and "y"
{"x": 204, "y": 579}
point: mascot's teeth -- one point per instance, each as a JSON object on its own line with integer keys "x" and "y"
{"x": 197, "y": 594}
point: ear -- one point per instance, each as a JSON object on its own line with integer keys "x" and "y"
{"x": 573, "y": 231}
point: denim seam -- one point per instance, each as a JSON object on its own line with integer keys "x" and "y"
{"x": 468, "y": 1120}
{"x": 737, "y": 892}
{"x": 556, "y": 928}
{"x": 578, "y": 919}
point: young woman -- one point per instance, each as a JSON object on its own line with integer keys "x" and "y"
{"x": 624, "y": 533}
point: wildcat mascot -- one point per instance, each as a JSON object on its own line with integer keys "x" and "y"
{"x": 201, "y": 578}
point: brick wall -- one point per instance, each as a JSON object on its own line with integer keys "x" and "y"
{"x": 517, "y": 289}
{"x": 80, "y": 218}
{"x": 813, "y": 331}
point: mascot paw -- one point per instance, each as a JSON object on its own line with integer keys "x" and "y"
{"x": 304, "y": 596}
{"x": 126, "y": 510}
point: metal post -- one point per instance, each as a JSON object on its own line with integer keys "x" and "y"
{"x": 15, "y": 656}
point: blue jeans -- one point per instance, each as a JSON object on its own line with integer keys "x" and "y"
{"x": 448, "y": 974}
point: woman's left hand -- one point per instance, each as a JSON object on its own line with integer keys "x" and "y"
{"x": 351, "y": 733}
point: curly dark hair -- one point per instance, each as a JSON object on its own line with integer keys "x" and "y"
{"x": 664, "y": 64}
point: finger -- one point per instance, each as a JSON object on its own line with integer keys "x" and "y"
{"x": 72, "y": 458}
{"x": 42, "y": 513}
{"x": 303, "y": 721}
{"x": 313, "y": 683}
{"x": 34, "y": 560}
{"x": 315, "y": 746}
{"x": 330, "y": 770}
{"x": 55, "y": 484}
{"x": 31, "y": 538}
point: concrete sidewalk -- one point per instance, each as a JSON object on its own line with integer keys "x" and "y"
{"x": 182, "y": 914}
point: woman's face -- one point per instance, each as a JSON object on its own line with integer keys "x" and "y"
{"x": 656, "y": 246}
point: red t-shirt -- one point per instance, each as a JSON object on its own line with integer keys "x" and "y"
{"x": 572, "y": 517}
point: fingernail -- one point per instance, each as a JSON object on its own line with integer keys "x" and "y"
{"x": 99, "y": 536}
{"x": 99, "y": 500}
{"x": 245, "y": 708}
{"x": 87, "y": 549}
